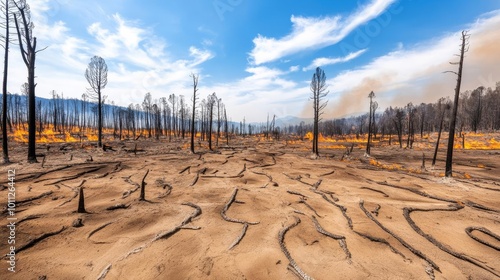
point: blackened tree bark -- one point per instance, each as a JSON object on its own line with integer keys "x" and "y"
{"x": 5, "y": 140}
{"x": 27, "y": 46}
{"x": 451, "y": 135}
{"x": 193, "y": 115}
{"x": 318, "y": 92}
{"x": 97, "y": 77}
{"x": 371, "y": 96}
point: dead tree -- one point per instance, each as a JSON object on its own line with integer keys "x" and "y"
{"x": 27, "y": 46}
{"x": 451, "y": 136}
{"x": 443, "y": 112}
{"x": 97, "y": 77}
{"x": 6, "y": 39}
{"x": 193, "y": 116}
{"x": 318, "y": 89}
{"x": 210, "y": 103}
{"x": 371, "y": 96}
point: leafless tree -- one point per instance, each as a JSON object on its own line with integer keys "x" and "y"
{"x": 318, "y": 93}
{"x": 6, "y": 13}
{"x": 97, "y": 77}
{"x": 442, "y": 109}
{"x": 451, "y": 136}
{"x": 28, "y": 48}
{"x": 193, "y": 116}
{"x": 370, "y": 119}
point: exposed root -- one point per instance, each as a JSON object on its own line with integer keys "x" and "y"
{"x": 486, "y": 231}
{"x": 243, "y": 170}
{"x": 186, "y": 221}
{"x": 381, "y": 240}
{"x": 430, "y": 238}
{"x": 237, "y": 241}
{"x": 226, "y": 207}
{"x": 404, "y": 243}
{"x": 27, "y": 218}
{"x": 328, "y": 173}
{"x": 296, "y": 193}
{"x": 195, "y": 180}
{"x": 19, "y": 202}
{"x": 268, "y": 176}
{"x": 343, "y": 209}
{"x": 104, "y": 272}
{"x": 340, "y": 238}
{"x": 479, "y": 206}
{"x": 303, "y": 201}
{"x": 185, "y": 169}
{"x": 33, "y": 242}
{"x": 281, "y": 240}
{"x": 417, "y": 192}
{"x": 98, "y": 229}
{"x": 94, "y": 169}
{"x": 379, "y": 191}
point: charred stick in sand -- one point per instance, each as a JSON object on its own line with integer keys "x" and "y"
{"x": 240, "y": 237}
{"x": 303, "y": 201}
{"x": 486, "y": 231}
{"x": 296, "y": 193}
{"x": 186, "y": 221}
{"x": 281, "y": 240}
{"x": 340, "y": 238}
{"x": 34, "y": 241}
{"x": 143, "y": 187}
{"x": 399, "y": 239}
{"x": 185, "y": 169}
{"x": 454, "y": 207}
{"x": 19, "y": 202}
{"x": 328, "y": 173}
{"x": 226, "y": 207}
{"x": 379, "y": 191}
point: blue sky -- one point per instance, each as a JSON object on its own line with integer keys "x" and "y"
{"x": 259, "y": 55}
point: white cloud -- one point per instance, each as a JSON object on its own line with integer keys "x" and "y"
{"x": 309, "y": 33}
{"x": 415, "y": 73}
{"x": 324, "y": 61}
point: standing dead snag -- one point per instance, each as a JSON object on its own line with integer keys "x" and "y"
{"x": 318, "y": 89}
{"x": 81, "y": 202}
{"x": 195, "y": 90}
{"x": 143, "y": 186}
{"x": 27, "y": 46}
{"x": 97, "y": 77}
{"x": 451, "y": 138}
{"x": 443, "y": 111}
{"x": 371, "y": 119}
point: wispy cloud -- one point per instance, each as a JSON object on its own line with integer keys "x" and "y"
{"x": 324, "y": 61}
{"x": 314, "y": 33}
{"x": 415, "y": 73}
{"x": 138, "y": 60}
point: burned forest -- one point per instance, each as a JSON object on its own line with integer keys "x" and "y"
{"x": 192, "y": 184}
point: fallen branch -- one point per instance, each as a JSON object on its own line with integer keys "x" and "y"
{"x": 454, "y": 207}
{"x": 404, "y": 243}
{"x": 379, "y": 191}
{"x": 19, "y": 202}
{"x": 281, "y": 240}
{"x": 240, "y": 237}
{"x": 187, "y": 220}
{"x": 486, "y": 231}
{"x": 340, "y": 238}
{"x": 33, "y": 242}
{"x": 226, "y": 207}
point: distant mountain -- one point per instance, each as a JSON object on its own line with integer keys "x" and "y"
{"x": 291, "y": 120}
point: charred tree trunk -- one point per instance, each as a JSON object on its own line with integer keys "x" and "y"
{"x": 451, "y": 137}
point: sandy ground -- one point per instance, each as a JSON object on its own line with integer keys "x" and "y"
{"x": 326, "y": 218}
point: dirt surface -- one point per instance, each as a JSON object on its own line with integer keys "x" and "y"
{"x": 255, "y": 209}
